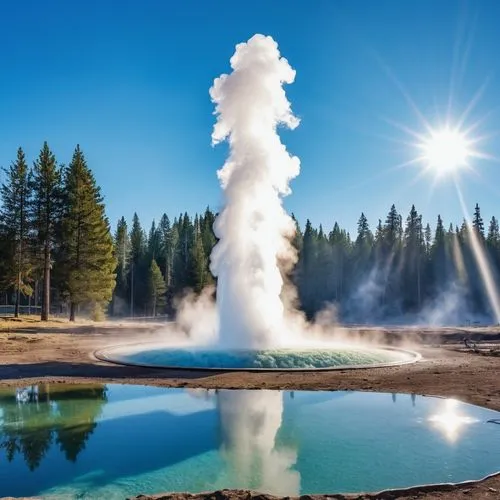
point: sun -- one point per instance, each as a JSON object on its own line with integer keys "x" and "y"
{"x": 445, "y": 150}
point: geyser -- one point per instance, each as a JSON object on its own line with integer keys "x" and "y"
{"x": 253, "y": 228}
{"x": 250, "y": 328}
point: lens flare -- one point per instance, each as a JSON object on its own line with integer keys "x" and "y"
{"x": 446, "y": 150}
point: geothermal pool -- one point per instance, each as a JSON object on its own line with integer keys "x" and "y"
{"x": 341, "y": 357}
{"x": 116, "y": 441}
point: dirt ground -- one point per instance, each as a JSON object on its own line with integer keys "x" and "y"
{"x": 64, "y": 353}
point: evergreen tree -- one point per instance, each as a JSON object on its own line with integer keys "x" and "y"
{"x": 390, "y": 256}
{"x": 183, "y": 275}
{"x": 46, "y": 210}
{"x": 477, "y": 222}
{"x": 297, "y": 237}
{"x": 365, "y": 236}
{"x": 493, "y": 243}
{"x": 209, "y": 241}
{"x": 166, "y": 248}
{"x": 157, "y": 287}
{"x": 428, "y": 239}
{"x": 362, "y": 251}
{"x": 154, "y": 242}
{"x": 122, "y": 255}
{"x": 87, "y": 253}
{"x": 439, "y": 235}
{"x": 493, "y": 238}
{"x": 307, "y": 263}
{"x": 378, "y": 242}
{"x": 199, "y": 260}
{"x": 137, "y": 275}
{"x": 207, "y": 231}
{"x": 439, "y": 261}
{"x": 392, "y": 229}
{"x": 414, "y": 251}
{"x": 15, "y": 230}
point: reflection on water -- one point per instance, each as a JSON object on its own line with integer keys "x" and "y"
{"x": 118, "y": 441}
{"x": 451, "y": 420}
{"x": 42, "y": 418}
{"x": 394, "y": 397}
{"x": 250, "y": 421}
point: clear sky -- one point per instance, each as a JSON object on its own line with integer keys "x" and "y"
{"x": 129, "y": 80}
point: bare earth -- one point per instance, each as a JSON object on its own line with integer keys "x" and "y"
{"x": 61, "y": 353}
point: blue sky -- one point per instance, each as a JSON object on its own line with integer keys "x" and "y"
{"x": 129, "y": 81}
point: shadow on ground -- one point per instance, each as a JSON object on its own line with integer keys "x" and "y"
{"x": 88, "y": 370}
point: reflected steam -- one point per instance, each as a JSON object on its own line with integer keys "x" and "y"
{"x": 250, "y": 422}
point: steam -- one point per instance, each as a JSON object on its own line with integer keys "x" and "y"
{"x": 253, "y": 228}
{"x": 449, "y": 307}
{"x": 197, "y": 316}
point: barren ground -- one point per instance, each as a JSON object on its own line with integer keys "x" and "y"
{"x": 60, "y": 352}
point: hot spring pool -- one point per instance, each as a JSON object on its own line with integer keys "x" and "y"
{"x": 152, "y": 355}
{"x": 116, "y": 441}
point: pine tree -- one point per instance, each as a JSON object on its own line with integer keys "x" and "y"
{"x": 207, "y": 231}
{"x": 87, "y": 254}
{"x": 308, "y": 266}
{"x": 493, "y": 243}
{"x": 477, "y": 222}
{"x": 428, "y": 239}
{"x": 136, "y": 268}
{"x": 439, "y": 235}
{"x": 493, "y": 238}
{"x": 122, "y": 255}
{"x": 157, "y": 287}
{"x": 413, "y": 256}
{"x": 379, "y": 233}
{"x": 183, "y": 276}
{"x": 15, "y": 230}
{"x": 297, "y": 237}
{"x": 154, "y": 242}
{"x": 166, "y": 249}
{"x": 46, "y": 210}
{"x": 199, "y": 260}
{"x": 209, "y": 240}
{"x": 392, "y": 228}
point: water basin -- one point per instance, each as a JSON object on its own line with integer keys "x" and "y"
{"x": 194, "y": 358}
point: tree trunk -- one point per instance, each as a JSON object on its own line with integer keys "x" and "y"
{"x": 132, "y": 290}
{"x": 72, "y": 311}
{"x": 46, "y": 285}
{"x": 18, "y": 296}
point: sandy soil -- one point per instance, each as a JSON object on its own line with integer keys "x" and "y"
{"x": 64, "y": 353}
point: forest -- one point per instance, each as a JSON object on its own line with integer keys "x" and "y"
{"x": 59, "y": 255}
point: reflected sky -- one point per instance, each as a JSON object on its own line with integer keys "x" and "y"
{"x": 113, "y": 441}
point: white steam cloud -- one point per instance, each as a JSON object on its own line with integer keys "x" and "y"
{"x": 253, "y": 228}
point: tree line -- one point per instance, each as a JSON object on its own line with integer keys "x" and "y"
{"x": 401, "y": 267}
{"x": 57, "y": 252}
{"x": 55, "y": 240}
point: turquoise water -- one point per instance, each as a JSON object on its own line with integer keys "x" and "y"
{"x": 114, "y": 441}
{"x": 269, "y": 359}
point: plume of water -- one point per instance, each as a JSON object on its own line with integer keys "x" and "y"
{"x": 253, "y": 228}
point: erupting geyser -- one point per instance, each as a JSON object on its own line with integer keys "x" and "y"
{"x": 253, "y": 327}
{"x": 253, "y": 228}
